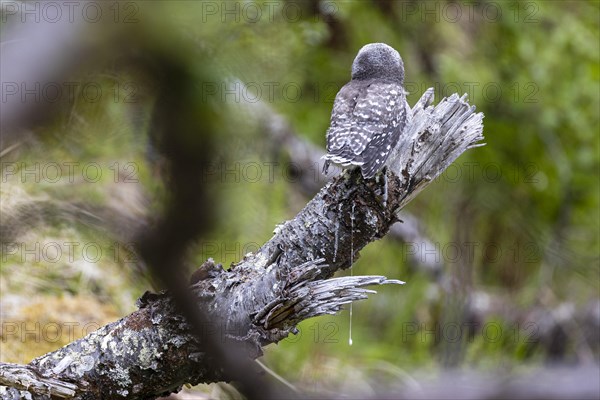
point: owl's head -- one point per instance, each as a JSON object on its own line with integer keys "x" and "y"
{"x": 378, "y": 60}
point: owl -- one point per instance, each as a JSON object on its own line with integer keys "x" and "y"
{"x": 369, "y": 113}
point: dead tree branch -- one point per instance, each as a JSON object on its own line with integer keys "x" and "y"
{"x": 305, "y": 157}
{"x": 261, "y": 299}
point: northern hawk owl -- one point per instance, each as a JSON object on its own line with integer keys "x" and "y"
{"x": 369, "y": 113}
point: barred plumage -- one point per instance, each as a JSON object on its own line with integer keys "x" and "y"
{"x": 369, "y": 113}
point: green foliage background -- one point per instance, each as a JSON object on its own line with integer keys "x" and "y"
{"x": 516, "y": 222}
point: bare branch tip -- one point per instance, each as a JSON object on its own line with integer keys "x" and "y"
{"x": 394, "y": 282}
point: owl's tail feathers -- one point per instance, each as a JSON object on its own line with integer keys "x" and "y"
{"x": 370, "y": 169}
{"x": 346, "y": 159}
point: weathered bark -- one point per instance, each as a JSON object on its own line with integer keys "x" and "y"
{"x": 262, "y": 298}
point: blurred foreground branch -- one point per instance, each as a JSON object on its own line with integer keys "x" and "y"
{"x": 261, "y": 299}
{"x": 548, "y": 383}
